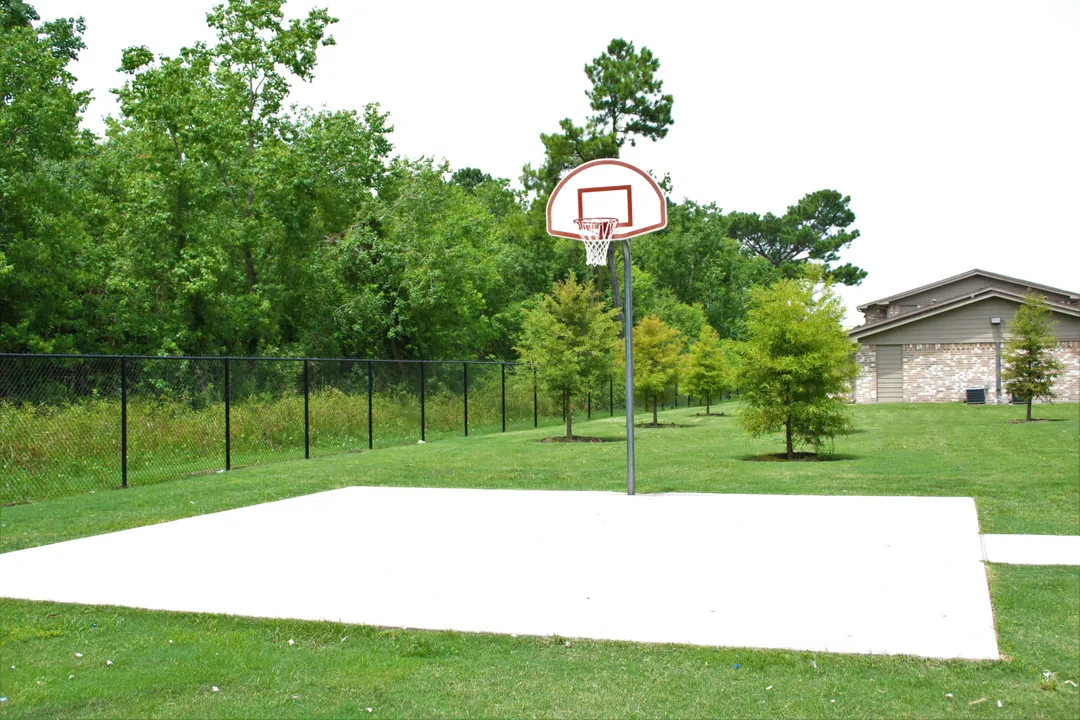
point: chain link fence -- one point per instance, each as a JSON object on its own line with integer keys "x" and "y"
{"x": 72, "y": 424}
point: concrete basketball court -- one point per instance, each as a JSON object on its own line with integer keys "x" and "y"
{"x": 840, "y": 574}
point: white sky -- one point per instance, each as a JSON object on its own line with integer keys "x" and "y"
{"x": 953, "y": 126}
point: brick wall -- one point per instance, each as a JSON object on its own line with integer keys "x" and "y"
{"x": 942, "y": 372}
{"x": 865, "y": 388}
{"x": 1067, "y": 387}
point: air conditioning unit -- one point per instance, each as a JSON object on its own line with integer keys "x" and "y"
{"x": 976, "y": 396}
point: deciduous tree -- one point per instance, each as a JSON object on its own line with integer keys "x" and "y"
{"x": 657, "y": 347}
{"x": 1030, "y": 368}
{"x": 796, "y": 364}
{"x": 708, "y": 370}
{"x": 571, "y": 339}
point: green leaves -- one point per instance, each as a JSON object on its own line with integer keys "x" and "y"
{"x": 1030, "y": 367}
{"x": 571, "y": 338}
{"x": 796, "y": 365}
{"x": 627, "y": 95}
{"x": 708, "y": 366}
{"x": 812, "y": 230}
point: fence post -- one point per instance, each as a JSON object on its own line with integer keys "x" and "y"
{"x": 535, "y": 406}
{"x": 370, "y": 379}
{"x": 307, "y": 419}
{"x": 123, "y": 422}
{"x": 588, "y": 406}
{"x": 465, "y": 376}
{"x": 611, "y": 397}
{"x": 676, "y": 393}
{"x": 503, "y": 367}
{"x": 228, "y": 393}
{"x": 422, "y": 419}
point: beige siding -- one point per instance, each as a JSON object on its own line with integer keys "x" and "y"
{"x": 890, "y": 373}
{"x": 968, "y": 324}
{"x": 964, "y": 287}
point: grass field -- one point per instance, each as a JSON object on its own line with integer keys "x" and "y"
{"x": 1025, "y": 479}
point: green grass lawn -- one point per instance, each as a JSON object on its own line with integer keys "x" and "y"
{"x": 1025, "y": 479}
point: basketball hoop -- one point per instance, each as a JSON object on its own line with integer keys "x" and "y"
{"x": 596, "y": 234}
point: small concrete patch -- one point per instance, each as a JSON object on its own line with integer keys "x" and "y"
{"x": 841, "y": 574}
{"x": 1032, "y": 549}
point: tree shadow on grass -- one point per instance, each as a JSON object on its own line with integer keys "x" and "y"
{"x": 799, "y": 457}
{"x": 583, "y": 439}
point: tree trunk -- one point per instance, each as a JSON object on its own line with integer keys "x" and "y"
{"x": 654, "y": 420}
{"x": 790, "y": 449}
{"x": 569, "y": 414}
{"x": 708, "y": 399}
{"x": 1029, "y": 408}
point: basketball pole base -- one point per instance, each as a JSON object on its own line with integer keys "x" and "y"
{"x": 628, "y": 336}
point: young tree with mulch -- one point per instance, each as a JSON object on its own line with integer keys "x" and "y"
{"x": 657, "y": 349}
{"x": 1030, "y": 369}
{"x": 707, "y": 368}
{"x": 571, "y": 339}
{"x": 796, "y": 365}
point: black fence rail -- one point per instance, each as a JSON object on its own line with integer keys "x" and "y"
{"x": 72, "y": 424}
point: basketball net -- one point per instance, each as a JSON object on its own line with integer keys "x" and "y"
{"x": 596, "y": 234}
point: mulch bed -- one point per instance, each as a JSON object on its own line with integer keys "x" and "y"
{"x": 1034, "y": 420}
{"x": 658, "y": 425}
{"x": 797, "y": 457}
{"x": 711, "y": 414}
{"x": 575, "y": 439}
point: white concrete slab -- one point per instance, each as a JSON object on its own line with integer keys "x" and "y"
{"x": 1032, "y": 549}
{"x": 842, "y": 574}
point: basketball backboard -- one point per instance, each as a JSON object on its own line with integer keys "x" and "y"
{"x": 602, "y": 189}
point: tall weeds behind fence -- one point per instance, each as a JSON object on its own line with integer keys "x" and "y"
{"x": 75, "y": 424}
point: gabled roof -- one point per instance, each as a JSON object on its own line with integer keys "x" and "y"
{"x": 963, "y": 276}
{"x": 857, "y": 333}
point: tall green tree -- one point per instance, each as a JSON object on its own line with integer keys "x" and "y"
{"x": 1030, "y": 367}
{"x": 708, "y": 371}
{"x": 626, "y": 94}
{"x": 813, "y": 231}
{"x": 796, "y": 365}
{"x": 571, "y": 338}
{"x": 43, "y": 283}
{"x": 657, "y": 347}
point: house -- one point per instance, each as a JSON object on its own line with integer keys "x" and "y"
{"x": 932, "y": 343}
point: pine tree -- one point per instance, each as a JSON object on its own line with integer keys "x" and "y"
{"x": 1030, "y": 369}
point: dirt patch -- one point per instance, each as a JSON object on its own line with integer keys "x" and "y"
{"x": 711, "y": 414}
{"x": 1021, "y": 421}
{"x": 798, "y": 457}
{"x": 657, "y": 425}
{"x": 575, "y": 439}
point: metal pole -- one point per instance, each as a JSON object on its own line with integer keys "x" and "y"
{"x": 465, "y": 385}
{"x": 422, "y": 436}
{"x": 307, "y": 418}
{"x": 588, "y": 411}
{"x": 370, "y": 384}
{"x": 628, "y": 334}
{"x": 503, "y": 367}
{"x": 228, "y": 433}
{"x": 676, "y": 394}
{"x": 536, "y": 409}
{"x": 611, "y": 397}
{"x": 123, "y": 422}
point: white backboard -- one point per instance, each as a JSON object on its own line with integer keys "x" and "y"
{"x": 607, "y": 188}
